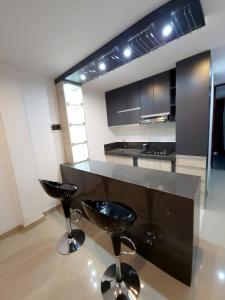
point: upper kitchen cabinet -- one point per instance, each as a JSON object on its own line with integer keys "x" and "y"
{"x": 115, "y": 103}
{"x": 123, "y": 105}
{"x": 162, "y": 93}
{"x": 193, "y": 105}
{"x": 155, "y": 94}
{"x": 132, "y": 115}
{"x": 147, "y": 96}
{"x": 132, "y": 92}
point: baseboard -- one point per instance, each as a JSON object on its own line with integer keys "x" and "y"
{"x": 52, "y": 209}
{"x": 33, "y": 224}
{"x": 11, "y": 232}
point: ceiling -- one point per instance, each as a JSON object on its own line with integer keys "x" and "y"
{"x": 48, "y": 37}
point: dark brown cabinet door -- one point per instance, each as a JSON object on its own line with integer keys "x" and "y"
{"x": 123, "y": 105}
{"x": 132, "y": 91}
{"x": 132, "y": 115}
{"x": 115, "y": 103}
{"x": 162, "y": 93}
{"x": 147, "y": 96}
{"x": 110, "y": 108}
{"x": 150, "y": 96}
{"x": 193, "y": 105}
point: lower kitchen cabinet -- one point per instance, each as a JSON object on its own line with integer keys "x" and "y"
{"x": 155, "y": 164}
{"x": 122, "y": 160}
{"x": 166, "y": 165}
{"x": 196, "y": 166}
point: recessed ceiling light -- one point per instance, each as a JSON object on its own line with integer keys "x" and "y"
{"x": 102, "y": 66}
{"x": 167, "y": 30}
{"x": 82, "y": 77}
{"x": 221, "y": 276}
{"x": 127, "y": 52}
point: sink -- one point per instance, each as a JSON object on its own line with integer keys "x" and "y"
{"x": 127, "y": 150}
{"x": 124, "y": 149}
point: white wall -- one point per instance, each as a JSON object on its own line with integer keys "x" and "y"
{"x": 98, "y": 132}
{"x": 38, "y": 97}
{"x": 25, "y": 102}
{"x": 10, "y": 214}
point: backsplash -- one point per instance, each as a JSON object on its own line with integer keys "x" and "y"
{"x": 161, "y": 132}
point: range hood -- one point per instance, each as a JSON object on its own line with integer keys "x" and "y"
{"x": 156, "y": 118}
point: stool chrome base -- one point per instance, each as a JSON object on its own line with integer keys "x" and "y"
{"x": 68, "y": 245}
{"x": 127, "y": 289}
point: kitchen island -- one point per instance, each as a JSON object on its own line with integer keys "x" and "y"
{"x": 167, "y": 207}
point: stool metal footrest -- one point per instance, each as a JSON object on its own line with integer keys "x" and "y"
{"x": 70, "y": 243}
{"x": 73, "y": 218}
{"x": 127, "y": 289}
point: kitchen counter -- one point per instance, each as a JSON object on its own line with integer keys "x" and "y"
{"x": 134, "y": 149}
{"x": 167, "y": 207}
{"x": 139, "y": 153}
{"x": 173, "y": 183}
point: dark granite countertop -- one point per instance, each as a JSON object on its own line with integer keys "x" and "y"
{"x": 133, "y": 149}
{"x": 173, "y": 183}
{"x": 138, "y": 153}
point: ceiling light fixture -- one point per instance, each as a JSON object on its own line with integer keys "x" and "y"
{"x": 167, "y": 30}
{"x": 154, "y": 30}
{"x": 127, "y": 52}
{"x": 82, "y": 77}
{"x": 102, "y": 66}
{"x": 221, "y": 276}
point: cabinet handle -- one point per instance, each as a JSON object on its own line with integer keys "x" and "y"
{"x": 154, "y": 115}
{"x": 127, "y": 110}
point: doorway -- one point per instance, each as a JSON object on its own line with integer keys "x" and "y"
{"x": 218, "y": 147}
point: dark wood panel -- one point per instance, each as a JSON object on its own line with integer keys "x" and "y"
{"x": 159, "y": 18}
{"x": 147, "y": 96}
{"x": 193, "y": 105}
{"x": 158, "y": 213}
{"x": 162, "y": 93}
{"x": 152, "y": 95}
{"x": 132, "y": 94}
{"x": 116, "y": 101}
{"x": 123, "y": 99}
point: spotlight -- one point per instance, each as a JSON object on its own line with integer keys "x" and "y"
{"x": 102, "y": 66}
{"x": 221, "y": 276}
{"x": 82, "y": 77}
{"x": 127, "y": 52}
{"x": 167, "y": 30}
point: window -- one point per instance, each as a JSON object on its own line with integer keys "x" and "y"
{"x": 76, "y": 121}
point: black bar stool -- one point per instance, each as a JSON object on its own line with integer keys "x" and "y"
{"x": 73, "y": 239}
{"x": 120, "y": 280}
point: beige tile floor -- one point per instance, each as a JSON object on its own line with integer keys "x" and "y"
{"x": 30, "y": 267}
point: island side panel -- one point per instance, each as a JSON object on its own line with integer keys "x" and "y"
{"x": 196, "y": 251}
{"x": 163, "y": 232}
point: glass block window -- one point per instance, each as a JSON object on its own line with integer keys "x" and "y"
{"x": 76, "y": 121}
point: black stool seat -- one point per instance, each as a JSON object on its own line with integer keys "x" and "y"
{"x": 73, "y": 239}
{"x": 109, "y": 216}
{"x": 57, "y": 189}
{"x": 120, "y": 280}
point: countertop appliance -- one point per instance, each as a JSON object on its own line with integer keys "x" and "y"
{"x": 144, "y": 147}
